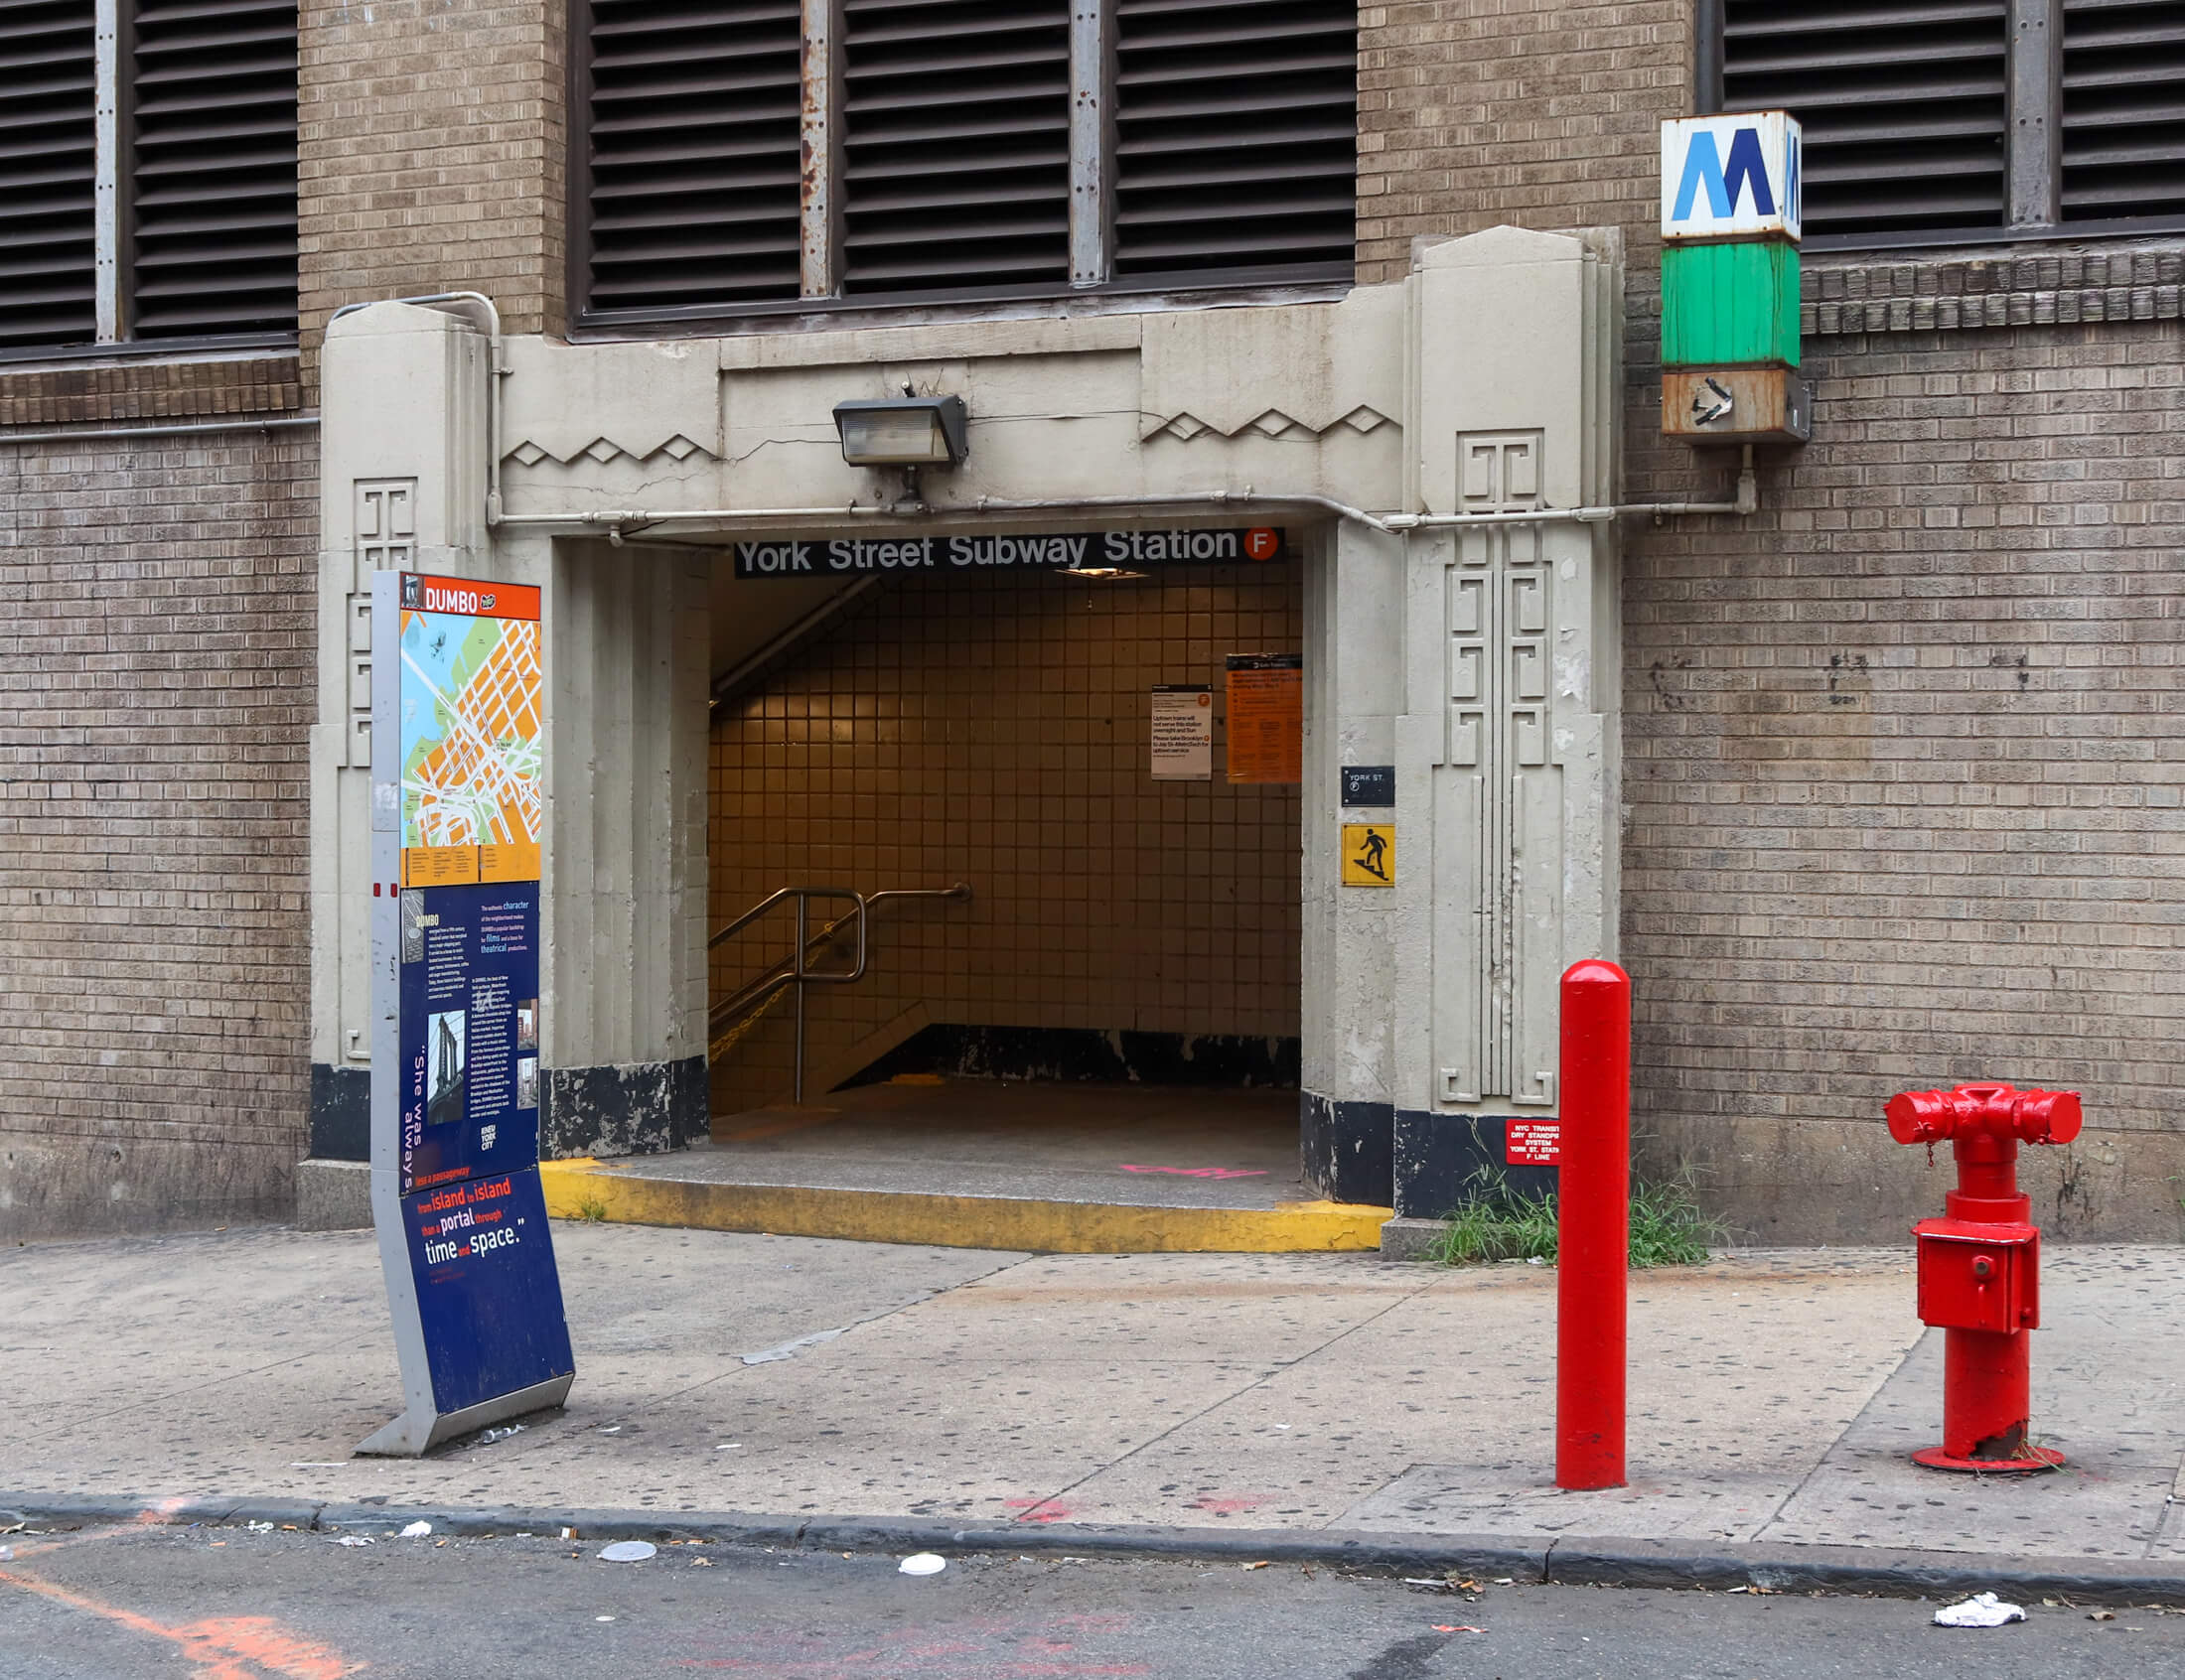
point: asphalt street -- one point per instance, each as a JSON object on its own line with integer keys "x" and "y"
{"x": 155, "y": 1602}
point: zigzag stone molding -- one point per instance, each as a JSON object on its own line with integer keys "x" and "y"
{"x": 1956, "y": 294}
{"x": 1272, "y": 424}
{"x": 603, "y": 449}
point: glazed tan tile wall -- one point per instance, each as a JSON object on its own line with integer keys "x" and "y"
{"x": 993, "y": 729}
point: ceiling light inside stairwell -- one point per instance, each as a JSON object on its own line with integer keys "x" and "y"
{"x": 1100, "y": 574}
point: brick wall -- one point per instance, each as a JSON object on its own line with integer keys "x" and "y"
{"x": 430, "y": 148}
{"x": 65, "y": 394}
{"x": 1539, "y": 113}
{"x": 1904, "y": 768}
{"x": 155, "y": 686}
{"x": 1902, "y": 763}
{"x": 993, "y": 729}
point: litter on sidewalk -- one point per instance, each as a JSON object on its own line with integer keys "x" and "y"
{"x": 1982, "y": 1610}
{"x": 627, "y": 1551}
{"x": 923, "y": 1563}
{"x": 418, "y": 1530}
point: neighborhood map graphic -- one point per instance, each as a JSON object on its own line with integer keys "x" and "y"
{"x": 472, "y": 731}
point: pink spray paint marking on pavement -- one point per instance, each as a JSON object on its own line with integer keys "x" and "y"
{"x": 1200, "y": 1172}
{"x": 1038, "y": 1510}
{"x": 1229, "y": 1504}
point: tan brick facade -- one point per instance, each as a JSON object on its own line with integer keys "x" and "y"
{"x": 1541, "y": 114}
{"x": 155, "y": 390}
{"x": 156, "y": 662}
{"x": 1903, "y": 774}
{"x": 430, "y": 148}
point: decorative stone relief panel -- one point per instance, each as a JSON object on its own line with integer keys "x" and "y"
{"x": 387, "y": 540}
{"x": 1498, "y": 792}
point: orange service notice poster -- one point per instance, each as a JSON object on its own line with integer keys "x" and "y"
{"x": 1266, "y": 717}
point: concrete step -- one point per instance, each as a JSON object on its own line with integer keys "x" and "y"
{"x": 333, "y": 1195}
{"x": 706, "y": 1190}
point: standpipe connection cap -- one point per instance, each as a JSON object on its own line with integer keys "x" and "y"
{"x": 1921, "y": 1116}
{"x": 1996, "y": 1112}
{"x": 2048, "y": 1117}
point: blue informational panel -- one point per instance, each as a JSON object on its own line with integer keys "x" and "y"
{"x": 469, "y": 981}
{"x": 457, "y": 818}
{"x": 488, "y": 1296}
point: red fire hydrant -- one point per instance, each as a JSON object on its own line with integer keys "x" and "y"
{"x": 1979, "y": 1264}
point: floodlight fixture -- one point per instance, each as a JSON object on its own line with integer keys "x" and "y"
{"x": 907, "y": 431}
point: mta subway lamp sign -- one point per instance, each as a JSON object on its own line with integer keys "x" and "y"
{"x": 1731, "y": 176}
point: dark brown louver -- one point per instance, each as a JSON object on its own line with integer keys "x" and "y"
{"x": 955, "y": 141}
{"x": 692, "y": 191}
{"x": 2123, "y": 121}
{"x": 1237, "y": 135}
{"x": 48, "y": 170}
{"x": 1902, "y": 106}
{"x": 212, "y": 177}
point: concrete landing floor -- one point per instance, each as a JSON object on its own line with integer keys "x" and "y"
{"x": 991, "y": 1164}
{"x": 1775, "y": 1395}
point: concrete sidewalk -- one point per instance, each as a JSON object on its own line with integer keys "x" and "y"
{"x": 1775, "y": 1394}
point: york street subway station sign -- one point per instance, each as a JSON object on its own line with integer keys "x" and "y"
{"x": 1058, "y": 551}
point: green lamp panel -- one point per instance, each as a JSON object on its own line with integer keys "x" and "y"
{"x": 1730, "y": 305}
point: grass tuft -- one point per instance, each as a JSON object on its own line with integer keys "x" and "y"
{"x": 592, "y": 1211}
{"x": 1503, "y": 1222}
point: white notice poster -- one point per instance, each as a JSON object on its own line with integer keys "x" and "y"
{"x": 1183, "y": 734}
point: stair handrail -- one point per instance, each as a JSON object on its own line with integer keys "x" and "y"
{"x": 796, "y": 971}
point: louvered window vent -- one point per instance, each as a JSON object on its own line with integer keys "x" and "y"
{"x": 48, "y": 174}
{"x": 694, "y": 153}
{"x": 956, "y": 143}
{"x": 2123, "y": 121}
{"x": 212, "y": 174}
{"x": 1902, "y": 106}
{"x": 1236, "y": 134}
{"x": 735, "y": 159}
{"x": 147, "y": 172}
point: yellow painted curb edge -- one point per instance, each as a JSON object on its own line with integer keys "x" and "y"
{"x": 591, "y": 1190}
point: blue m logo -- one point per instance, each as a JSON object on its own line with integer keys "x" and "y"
{"x": 1725, "y": 183}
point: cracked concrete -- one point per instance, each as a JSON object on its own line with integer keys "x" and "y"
{"x": 1773, "y": 1393}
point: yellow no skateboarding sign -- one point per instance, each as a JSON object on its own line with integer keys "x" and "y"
{"x": 1368, "y": 854}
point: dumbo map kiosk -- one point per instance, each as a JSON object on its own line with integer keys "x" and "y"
{"x": 457, "y": 812}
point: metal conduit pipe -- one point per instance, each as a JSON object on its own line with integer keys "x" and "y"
{"x": 273, "y": 423}
{"x": 619, "y": 520}
{"x": 1747, "y": 503}
{"x": 497, "y": 369}
{"x": 624, "y": 518}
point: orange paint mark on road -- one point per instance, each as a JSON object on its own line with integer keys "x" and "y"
{"x": 232, "y": 1647}
{"x": 229, "y": 1647}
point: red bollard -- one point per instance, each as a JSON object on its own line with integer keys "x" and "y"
{"x": 1593, "y": 1226}
{"x": 1979, "y": 1264}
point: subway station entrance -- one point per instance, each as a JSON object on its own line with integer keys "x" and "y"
{"x": 1035, "y": 829}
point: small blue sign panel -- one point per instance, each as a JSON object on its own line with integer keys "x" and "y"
{"x": 1371, "y": 786}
